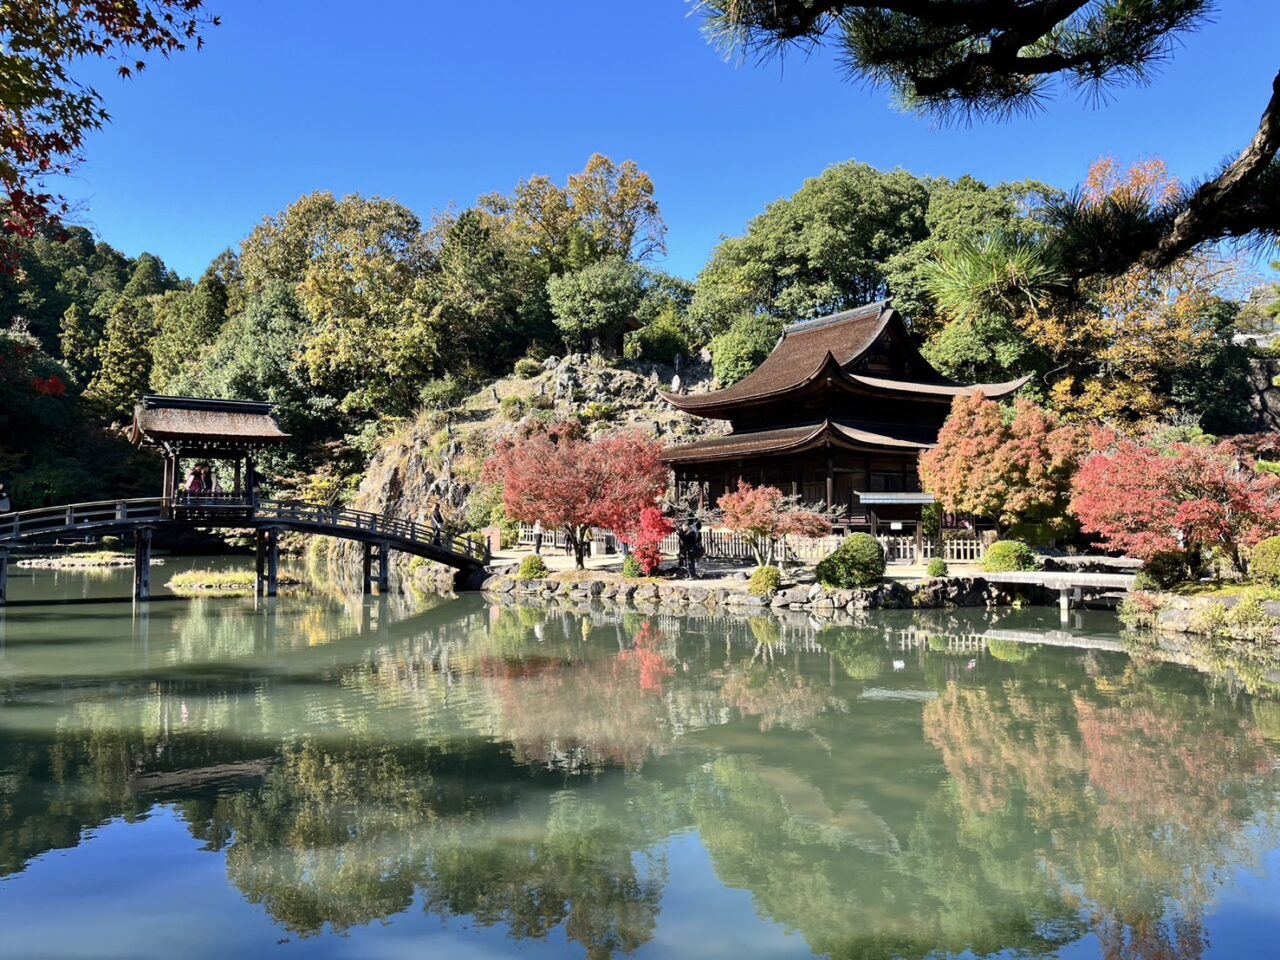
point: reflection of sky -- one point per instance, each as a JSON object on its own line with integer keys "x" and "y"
{"x": 145, "y": 889}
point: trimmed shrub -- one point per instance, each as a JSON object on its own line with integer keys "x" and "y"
{"x": 527, "y": 367}
{"x": 937, "y": 567}
{"x": 532, "y": 568}
{"x": 1007, "y": 556}
{"x": 1264, "y": 561}
{"x": 857, "y": 562}
{"x": 631, "y": 567}
{"x": 765, "y": 581}
{"x": 1164, "y": 570}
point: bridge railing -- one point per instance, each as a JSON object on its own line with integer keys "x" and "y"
{"x": 70, "y": 518}
{"x": 374, "y": 523}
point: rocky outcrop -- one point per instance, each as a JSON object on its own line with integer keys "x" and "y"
{"x": 438, "y": 456}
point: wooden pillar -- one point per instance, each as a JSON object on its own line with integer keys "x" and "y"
{"x": 236, "y": 487}
{"x": 871, "y": 515}
{"x": 384, "y": 569}
{"x": 831, "y": 481}
{"x": 261, "y": 562}
{"x": 273, "y": 562}
{"x": 368, "y": 567}
{"x": 4, "y": 575}
{"x": 142, "y": 564}
{"x": 920, "y": 538}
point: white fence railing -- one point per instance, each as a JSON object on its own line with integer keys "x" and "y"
{"x": 726, "y": 545}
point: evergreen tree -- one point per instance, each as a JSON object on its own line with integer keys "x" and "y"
{"x": 79, "y": 341}
{"x": 125, "y": 367}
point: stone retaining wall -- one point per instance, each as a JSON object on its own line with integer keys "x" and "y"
{"x": 816, "y": 599}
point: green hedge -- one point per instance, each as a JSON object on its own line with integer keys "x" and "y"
{"x": 1008, "y": 556}
{"x": 631, "y": 567}
{"x": 765, "y": 581}
{"x": 532, "y": 568}
{"x": 857, "y": 562}
{"x": 1264, "y": 561}
{"x": 937, "y": 567}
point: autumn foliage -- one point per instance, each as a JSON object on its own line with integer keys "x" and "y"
{"x": 564, "y": 480}
{"x": 1147, "y": 500}
{"x": 764, "y": 517}
{"x": 1015, "y": 471}
{"x": 644, "y": 535}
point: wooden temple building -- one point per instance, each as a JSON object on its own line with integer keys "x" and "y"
{"x": 837, "y": 414}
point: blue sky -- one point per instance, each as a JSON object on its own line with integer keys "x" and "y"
{"x": 430, "y": 104}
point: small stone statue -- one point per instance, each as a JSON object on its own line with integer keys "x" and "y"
{"x": 675, "y": 383}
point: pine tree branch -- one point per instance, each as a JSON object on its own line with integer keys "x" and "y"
{"x": 1214, "y": 210}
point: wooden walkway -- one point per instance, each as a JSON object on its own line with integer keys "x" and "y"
{"x": 379, "y": 534}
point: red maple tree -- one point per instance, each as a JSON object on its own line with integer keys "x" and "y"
{"x": 1146, "y": 500}
{"x": 1013, "y": 471}
{"x": 560, "y": 478}
{"x": 644, "y": 535}
{"x": 764, "y": 517}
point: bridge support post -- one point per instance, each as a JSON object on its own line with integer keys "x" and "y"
{"x": 4, "y": 575}
{"x": 142, "y": 564}
{"x": 381, "y": 578}
{"x": 268, "y": 562}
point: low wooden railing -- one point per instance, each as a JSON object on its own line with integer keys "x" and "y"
{"x": 81, "y": 519}
{"x": 727, "y": 545}
{"x": 27, "y": 523}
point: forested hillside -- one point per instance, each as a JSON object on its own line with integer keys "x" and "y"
{"x": 354, "y": 314}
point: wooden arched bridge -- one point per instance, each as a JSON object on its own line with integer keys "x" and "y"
{"x": 142, "y": 517}
{"x": 199, "y": 432}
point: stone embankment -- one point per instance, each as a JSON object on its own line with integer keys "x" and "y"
{"x": 1242, "y": 616}
{"x": 812, "y": 598}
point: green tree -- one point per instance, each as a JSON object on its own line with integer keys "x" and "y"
{"x": 149, "y": 278}
{"x": 823, "y": 250}
{"x": 360, "y": 267}
{"x": 79, "y": 339}
{"x": 596, "y": 302}
{"x": 185, "y": 322}
{"x": 992, "y": 58}
{"x": 125, "y": 367}
{"x": 743, "y": 347}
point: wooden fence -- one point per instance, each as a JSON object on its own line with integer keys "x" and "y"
{"x": 726, "y": 545}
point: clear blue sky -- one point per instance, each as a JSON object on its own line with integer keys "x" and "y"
{"x": 427, "y": 103}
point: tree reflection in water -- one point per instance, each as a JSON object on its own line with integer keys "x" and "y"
{"x": 525, "y": 768}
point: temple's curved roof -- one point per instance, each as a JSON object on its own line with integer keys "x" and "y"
{"x": 828, "y": 433}
{"x": 831, "y": 348}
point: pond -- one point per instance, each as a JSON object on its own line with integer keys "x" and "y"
{"x": 336, "y": 776}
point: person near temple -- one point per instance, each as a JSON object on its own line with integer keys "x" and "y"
{"x": 537, "y": 536}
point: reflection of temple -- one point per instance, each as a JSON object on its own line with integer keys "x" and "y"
{"x": 838, "y": 413}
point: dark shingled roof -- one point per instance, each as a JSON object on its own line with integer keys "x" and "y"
{"x": 832, "y": 345}
{"x": 192, "y": 421}
{"x": 757, "y": 443}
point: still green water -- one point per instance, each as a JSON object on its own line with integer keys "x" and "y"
{"x": 348, "y": 777}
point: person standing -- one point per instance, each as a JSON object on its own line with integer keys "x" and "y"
{"x": 5, "y": 504}
{"x": 537, "y": 536}
{"x": 437, "y": 522}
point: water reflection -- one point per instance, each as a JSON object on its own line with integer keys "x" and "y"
{"x": 913, "y": 785}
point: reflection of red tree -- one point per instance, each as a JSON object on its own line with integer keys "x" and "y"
{"x": 646, "y": 658}
{"x": 989, "y": 747}
{"x": 777, "y": 698}
{"x": 1176, "y": 769}
{"x": 581, "y": 714}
